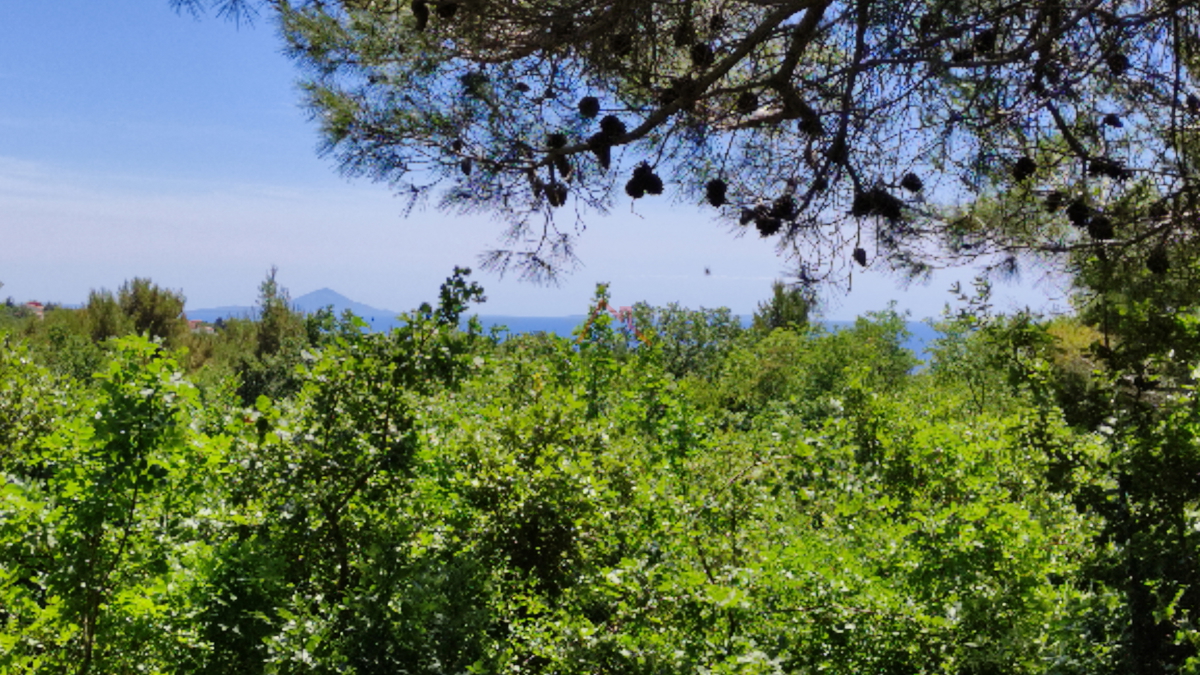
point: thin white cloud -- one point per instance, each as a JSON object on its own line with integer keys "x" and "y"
{"x": 63, "y": 222}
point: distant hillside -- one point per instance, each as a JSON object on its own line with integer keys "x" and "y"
{"x": 380, "y": 319}
{"x": 325, "y": 297}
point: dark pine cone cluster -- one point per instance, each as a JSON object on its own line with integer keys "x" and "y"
{"x": 685, "y": 33}
{"x": 1111, "y": 168}
{"x": 1157, "y": 261}
{"x": 1079, "y": 213}
{"x": 420, "y": 10}
{"x": 589, "y": 106}
{"x": 1117, "y": 62}
{"x": 769, "y": 218}
{"x": 620, "y": 44}
{"x": 1024, "y": 168}
{"x": 558, "y": 141}
{"x": 611, "y": 129}
{"x": 985, "y": 41}
{"x": 644, "y": 182}
{"x": 682, "y": 89}
{"x": 1098, "y": 225}
{"x": 556, "y": 194}
{"x": 784, "y": 208}
{"x": 714, "y": 192}
{"x": 747, "y": 102}
{"x": 877, "y": 202}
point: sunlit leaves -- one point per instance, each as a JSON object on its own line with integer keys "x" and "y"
{"x": 663, "y": 491}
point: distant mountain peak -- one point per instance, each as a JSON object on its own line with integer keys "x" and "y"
{"x": 326, "y": 297}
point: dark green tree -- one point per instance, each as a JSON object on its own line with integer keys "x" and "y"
{"x": 104, "y": 315}
{"x": 278, "y": 322}
{"x": 788, "y": 307}
{"x": 1123, "y": 371}
{"x": 153, "y": 310}
{"x": 141, "y": 307}
{"x": 265, "y": 352}
{"x": 1140, "y": 298}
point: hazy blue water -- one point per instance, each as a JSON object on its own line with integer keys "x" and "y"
{"x": 383, "y": 320}
{"x": 921, "y": 334}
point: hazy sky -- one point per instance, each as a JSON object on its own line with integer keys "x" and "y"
{"x": 138, "y": 142}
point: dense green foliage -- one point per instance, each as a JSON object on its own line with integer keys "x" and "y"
{"x": 661, "y": 492}
{"x": 666, "y": 492}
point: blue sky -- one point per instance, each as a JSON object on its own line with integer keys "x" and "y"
{"x": 138, "y": 142}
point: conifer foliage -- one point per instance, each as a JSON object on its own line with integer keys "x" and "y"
{"x": 933, "y": 104}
